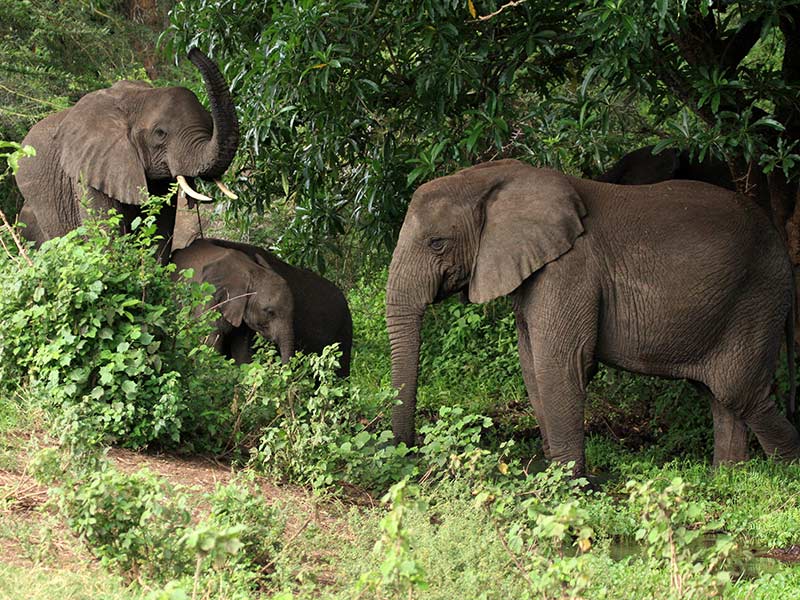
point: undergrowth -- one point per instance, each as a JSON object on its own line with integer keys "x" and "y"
{"x": 100, "y": 340}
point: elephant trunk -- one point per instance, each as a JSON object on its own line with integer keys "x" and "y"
{"x": 412, "y": 285}
{"x": 286, "y": 348}
{"x": 221, "y": 148}
{"x": 404, "y": 337}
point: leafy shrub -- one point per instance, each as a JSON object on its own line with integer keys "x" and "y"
{"x": 131, "y": 522}
{"x": 469, "y": 357}
{"x": 399, "y": 573}
{"x": 317, "y": 434}
{"x": 538, "y": 517}
{"x": 240, "y": 503}
{"x": 673, "y": 528}
{"x": 96, "y": 331}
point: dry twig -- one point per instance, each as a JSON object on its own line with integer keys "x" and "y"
{"x": 511, "y": 4}
{"x": 15, "y": 237}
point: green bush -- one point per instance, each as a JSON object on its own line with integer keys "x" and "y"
{"x": 318, "y": 434}
{"x": 240, "y": 503}
{"x": 131, "y": 522}
{"x": 96, "y": 331}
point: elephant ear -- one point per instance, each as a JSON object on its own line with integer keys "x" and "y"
{"x": 531, "y": 217}
{"x": 96, "y": 144}
{"x": 232, "y": 285}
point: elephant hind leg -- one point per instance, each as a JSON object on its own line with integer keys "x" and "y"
{"x": 730, "y": 435}
{"x": 775, "y": 433}
{"x": 756, "y": 410}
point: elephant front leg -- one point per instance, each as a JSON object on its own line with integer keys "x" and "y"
{"x": 730, "y": 435}
{"x": 529, "y": 376}
{"x": 562, "y": 395}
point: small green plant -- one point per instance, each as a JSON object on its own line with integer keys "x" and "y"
{"x": 673, "y": 527}
{"x": 315, "y": 434}
{"x": 131, "y": 522}
{"x": 212, "y": 545}
{"x": 540, "y": 518}
{"x": 240, "y": 503}
{"x": 399, "y": 573}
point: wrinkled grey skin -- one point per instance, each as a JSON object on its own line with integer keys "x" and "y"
{"x": 118, "y": 144}
{"x": 680, "y": 279}
{"x": 321, "y": 314}
{"x": 250, "y": 297}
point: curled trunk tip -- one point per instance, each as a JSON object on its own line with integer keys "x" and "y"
{"x": 222, "y": 147}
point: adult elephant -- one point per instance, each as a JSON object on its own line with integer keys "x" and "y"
{"x": 118, "y": 145}
{"x": 642, "y": 167}
{"x": 250, "y": 296}
{"x": 680, "y": 279}
{"x": 320, "y": 315}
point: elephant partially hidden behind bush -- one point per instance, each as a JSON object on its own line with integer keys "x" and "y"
{"x": 258, "y": 293}
{"x": 118, "y": 145}
{"x": 681, "y": 279}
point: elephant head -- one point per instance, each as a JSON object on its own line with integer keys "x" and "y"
{"x": 249, "y": 292}
{"x": 117, "y": 145}
{"x": 481, "y": 231}
{"x": 123, "y": 139}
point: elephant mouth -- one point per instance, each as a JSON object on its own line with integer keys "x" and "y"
{"x": 186, "y": 191}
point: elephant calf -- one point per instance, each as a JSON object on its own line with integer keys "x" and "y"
{"x": 256, "y": 292}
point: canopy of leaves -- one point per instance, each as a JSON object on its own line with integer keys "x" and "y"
{"x": 348, "y": 105}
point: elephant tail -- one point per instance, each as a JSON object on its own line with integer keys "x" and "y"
{"x": 791, "y": 407}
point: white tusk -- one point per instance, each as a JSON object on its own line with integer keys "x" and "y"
{"x": 225, "y": 190}
{"x": 190, "y": 192}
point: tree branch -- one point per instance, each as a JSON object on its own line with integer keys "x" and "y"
{"x": 739, "y": 44}
{"x": 511, "y": 4}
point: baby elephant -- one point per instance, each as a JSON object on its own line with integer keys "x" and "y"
{"x": 259, "y": 293}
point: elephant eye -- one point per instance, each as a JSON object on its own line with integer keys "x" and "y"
{"x": 437, "y": 244}
{"x": 159, "y": 133}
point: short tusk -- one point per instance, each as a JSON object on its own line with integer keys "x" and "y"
{"x": 225, "y": 190}
{"x": 190, "y": 192}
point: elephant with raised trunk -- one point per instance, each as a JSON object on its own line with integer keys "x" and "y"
{"x": 257, "y": 292}
{"x": 118, "y": 145}
{"x": 250, "y": 297}
{"x": 681, "y": 279}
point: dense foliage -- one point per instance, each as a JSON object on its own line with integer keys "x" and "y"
{"x": 347, "y": 105}
{"x": 96, "y": 330}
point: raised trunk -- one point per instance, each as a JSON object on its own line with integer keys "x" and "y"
{"x": 404, "y": 336}
{"x": 220, "y": 150}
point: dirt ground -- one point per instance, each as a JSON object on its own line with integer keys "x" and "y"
{"x": 33, "y": 533}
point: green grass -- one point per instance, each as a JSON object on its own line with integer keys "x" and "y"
{"x": 86, "y": 583}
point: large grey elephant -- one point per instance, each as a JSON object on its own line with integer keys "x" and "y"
{"x": 319, "y": 315}
{"x": 681, "y": 279}
{"x": 250, "y": 297}
{"x": 119, "y": 144}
